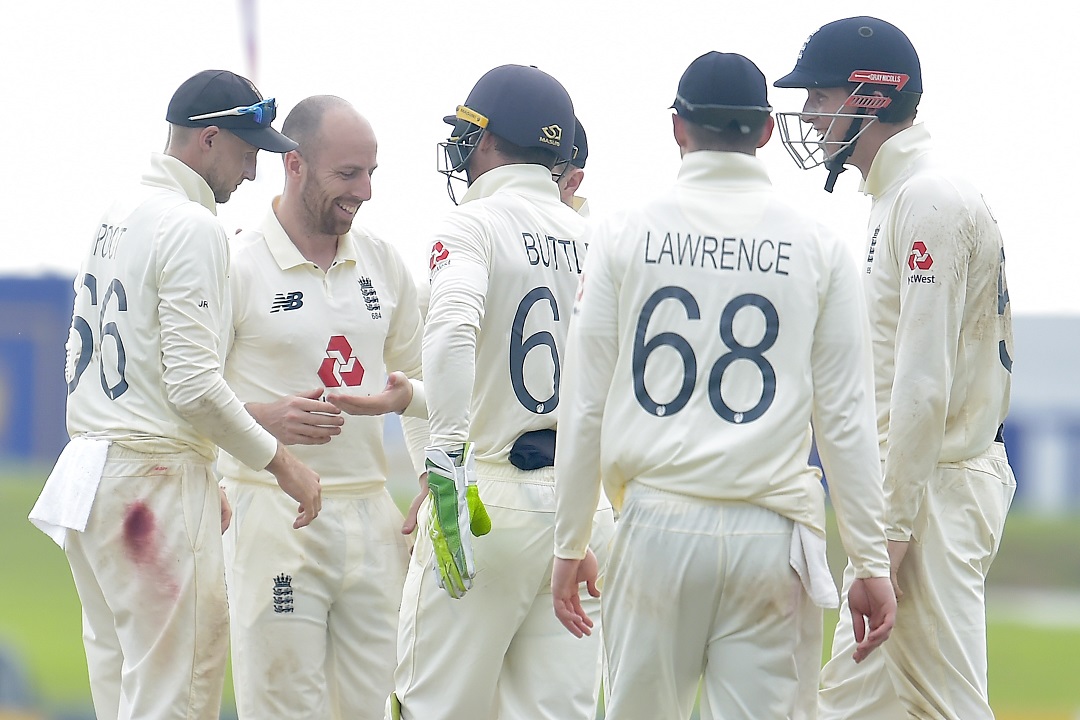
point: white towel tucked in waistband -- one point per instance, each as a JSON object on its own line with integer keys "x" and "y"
{"x": 69, "y": 493}
{"x": 808, "y": 560}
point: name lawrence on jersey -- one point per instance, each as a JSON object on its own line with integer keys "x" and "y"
{"x": 727, "y": 253}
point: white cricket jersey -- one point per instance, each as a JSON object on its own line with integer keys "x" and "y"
{"x": 504, "y": 273}
{"x": 714, "y": 323}
{"x": 145, "y": 351}
{"x": 296, "y": 328}
{"x": 941, "y": 324}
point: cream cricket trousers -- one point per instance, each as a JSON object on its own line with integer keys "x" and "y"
{"x": 315, "y": 610}
{"x": 934, "y": 663}
{"x": 701, "y": 591}
{"x": 149, "y": 573}
{"x": 499, "y": 652}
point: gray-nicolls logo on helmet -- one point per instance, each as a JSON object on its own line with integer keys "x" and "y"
{"x": 873, "y": 58}
{"x": 521, "y": 105}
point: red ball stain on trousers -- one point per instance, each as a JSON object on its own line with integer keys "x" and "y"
{"x": 139, "y": 525}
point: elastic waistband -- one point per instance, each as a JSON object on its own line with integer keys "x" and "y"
{"x": 506, "y": 472}
{"x": 337, "y": 492}
{"x": 119, "y": 451}
{"x": 640, "y": 489}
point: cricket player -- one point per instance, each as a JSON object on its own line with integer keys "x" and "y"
{"x": 477, "y": 638}
{"x": 321, "y": 306}
{"x": 569, "y": 175}
{"x": 714, "y": 324}
{"x": 133, "y": 500}
{"x": 941, "y": 328}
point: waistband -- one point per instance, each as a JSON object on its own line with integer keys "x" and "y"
{"x": 121, "y": 451}
{"x": 340, "y": 492}
{"x": 507, "y": 472}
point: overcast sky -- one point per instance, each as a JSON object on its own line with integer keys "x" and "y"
{"x": 85, "y": 86}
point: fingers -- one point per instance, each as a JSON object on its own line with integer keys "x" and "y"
{"x": 410, "y": 523}
{"x": 570, "y": 614}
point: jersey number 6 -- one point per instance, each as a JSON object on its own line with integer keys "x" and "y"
{"x": 86, "y": 337}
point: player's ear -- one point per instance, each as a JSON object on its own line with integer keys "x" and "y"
{"x": 207, "y": 136}
{"x": 293, "y": 163}
{"x": 678, "y": 127}
{"x": 766, "y": 131}
{"x": 573, "y": 179}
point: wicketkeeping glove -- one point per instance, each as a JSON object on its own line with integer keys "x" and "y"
{"x": 456, "y": 514}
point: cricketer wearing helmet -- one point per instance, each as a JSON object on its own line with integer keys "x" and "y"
{"x": 477, "y": 638}
{"x": 714, "y": 322}
{"x": 934, "y": 280}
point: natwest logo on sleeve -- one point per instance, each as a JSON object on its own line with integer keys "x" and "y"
{"x": 339, "y": 367}
{"x": 920, "y": 258}
{"x": 440, "y": 256}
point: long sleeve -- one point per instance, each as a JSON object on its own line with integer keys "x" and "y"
{"x": 937, "y": 235}
{"x": 843, "y": 417}
{"x": 592, "y": 351}
{"x": 193, "y": 310}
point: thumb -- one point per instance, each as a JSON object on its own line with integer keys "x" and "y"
{"x": 315, "y": 394}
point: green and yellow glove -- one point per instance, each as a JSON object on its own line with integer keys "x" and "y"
{"x": 457, "y": 516}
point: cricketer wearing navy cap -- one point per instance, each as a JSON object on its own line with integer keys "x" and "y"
{"x": 709, "y": 466}
{"x": 148, "y": 409}
{"x": 723, "y": 91}
{"x": 231, "y": 102}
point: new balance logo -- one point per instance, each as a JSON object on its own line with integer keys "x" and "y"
{"x": 283, "y": 596}
{"x": 287, "y": 301}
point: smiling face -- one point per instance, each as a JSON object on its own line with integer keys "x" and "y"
{"x": 821, "y": 110}
{"x": 337, "y": 172}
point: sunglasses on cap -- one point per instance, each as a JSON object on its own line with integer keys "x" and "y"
{"x": 262, "y": 112}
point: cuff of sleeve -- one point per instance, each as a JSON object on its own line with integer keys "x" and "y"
{"x": 564, "y": 553}
{"x": 258, "y": 451}
{"x": 897, "y": 534}
{"x": 417, "y": 407}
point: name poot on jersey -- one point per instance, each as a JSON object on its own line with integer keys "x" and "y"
{"x": 724, "y": 253}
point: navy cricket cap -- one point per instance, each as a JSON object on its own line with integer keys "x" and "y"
{"x": 581, "y": 145}
{"x": 213, "y": 92}
{"x": 836, "y": 50}
{"x": 720, "y": 90}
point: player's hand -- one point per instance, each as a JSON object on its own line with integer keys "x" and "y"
{"x": 226, "y": 510}
{"x": 457, "y": 516}
{"x": 301, "y": 419}
{"x": 873, "y": 612}
{"x": 409, "y": 526}
{"x": 566, "y": 577}
{"x": 299, "y": 482}
{"x": 394, "y": 398}
{"x": 897, "y": 552}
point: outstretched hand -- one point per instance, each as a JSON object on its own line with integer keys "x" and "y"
{"x": 394, "y": 398}
{"x": 873, "y": 613}
{"x": 301, "y": 419}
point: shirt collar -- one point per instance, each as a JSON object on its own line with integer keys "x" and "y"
{"x": 286, "y": 253}
{"x": 520, "y": 178}
{"x": 168, "y": 172}
{"x": 712, "y": 167}
{"x": 895, "y": 159}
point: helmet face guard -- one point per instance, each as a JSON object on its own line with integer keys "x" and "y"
{"x": 809, "y": 148}
{"x": 453, "y": 155}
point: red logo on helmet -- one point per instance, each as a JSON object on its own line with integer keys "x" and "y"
{"x": 439, "y": 255}
{"x": 919, "y": 257}
{"x": 339, "y": 367}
